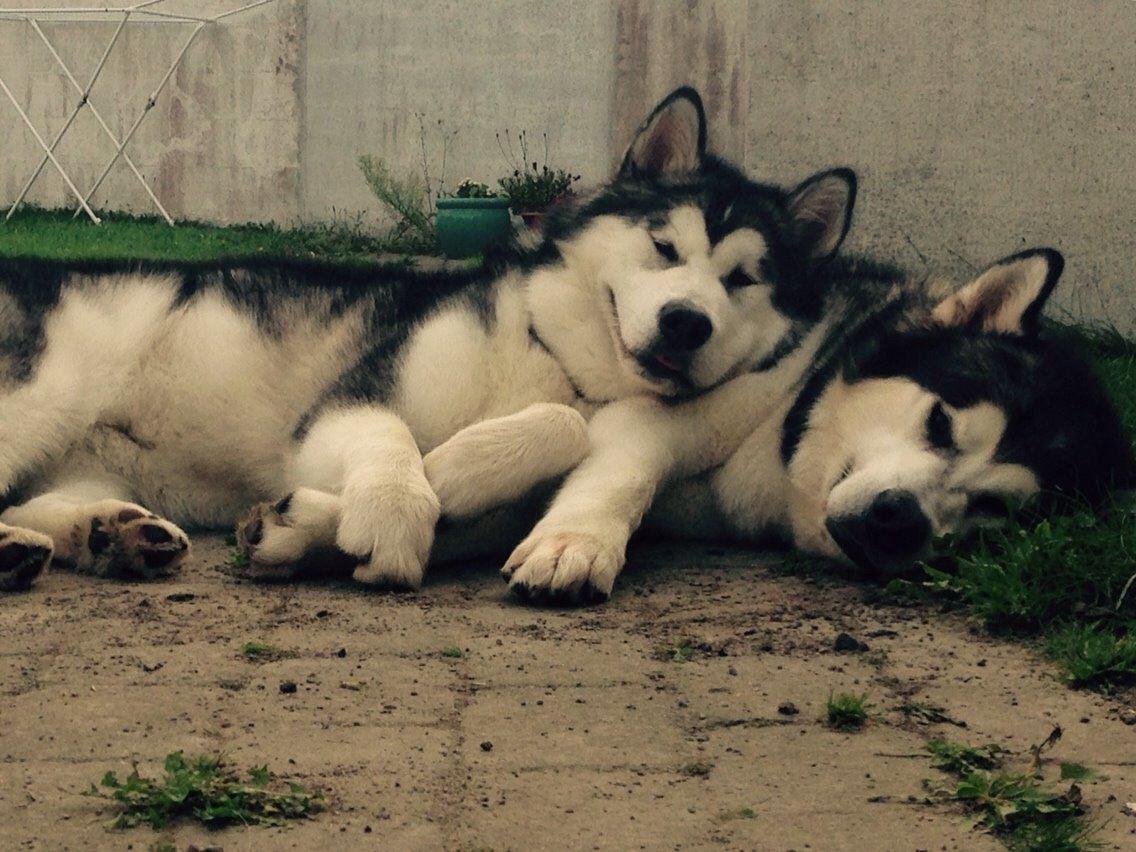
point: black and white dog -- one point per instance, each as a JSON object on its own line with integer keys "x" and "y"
{"x": 911, "y": 410}
{"x": 142, "y": 398}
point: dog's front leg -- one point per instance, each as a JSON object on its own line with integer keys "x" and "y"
{"x": 497, "y": 461}
{"x": 387, "y": 508}
{"x": 577, "y": 549}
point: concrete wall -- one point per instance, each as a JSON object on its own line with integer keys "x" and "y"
{"x": 977, "y": 127}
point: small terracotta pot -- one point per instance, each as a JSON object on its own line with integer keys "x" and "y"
{"x": 534, "y": 219}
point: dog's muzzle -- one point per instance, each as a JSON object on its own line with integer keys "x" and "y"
{"x": 888, "y": 536}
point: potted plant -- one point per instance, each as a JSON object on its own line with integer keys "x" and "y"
{"x": 470, "y": 219}
{"x": 534, "y": 189}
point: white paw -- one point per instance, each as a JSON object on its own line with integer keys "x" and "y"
{"x": 24, "y": 555}
{"x": 391, "y": 530}
{"x": 126, "y": 540}
{"x": 279, "y": 540}
{"x": 562, "y": 566}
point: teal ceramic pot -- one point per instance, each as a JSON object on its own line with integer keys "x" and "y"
{"x": 467, "y": 225}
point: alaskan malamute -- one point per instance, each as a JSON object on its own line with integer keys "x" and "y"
{"x": 143, "y": 397}
{"x": 909, "y": 412}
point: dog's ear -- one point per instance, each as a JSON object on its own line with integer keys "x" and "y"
{"x": 1008, "y": 297}
{"x": 821, "y": 209}
{"x": 672, "y": 140}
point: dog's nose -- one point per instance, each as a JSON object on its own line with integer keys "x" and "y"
{"x": 896, "y": 524}
{"x": 683, "y": 327}
{"x": 891, "y": 531}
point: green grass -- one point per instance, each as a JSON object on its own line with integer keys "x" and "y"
{"x": 1076, "y": 772}
{"x": 682, "y": 652}
{"x": 1095, "y": 656}
{"x": 208, "y": 791}
{"x": 453, "y": 652}
{"x": 959, "y": 759}
{"x": 697, "y": 769}
{"x": 259, "y": 651}
{"x": 1020, "y": 809}
{"x": 846, "y": 711}
{"x": 55, "y": 235}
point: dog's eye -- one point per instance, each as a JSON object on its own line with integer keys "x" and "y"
{"x": 737, "y": 279}
{"x": 988, "y": 506}
{"x": 940, "y": 433}
{"x": 666, "y": 250}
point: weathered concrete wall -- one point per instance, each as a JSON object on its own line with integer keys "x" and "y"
{"x": 222, "y": 143}
{"x": 977, "y": 128}
{"x": 385, "y": 77}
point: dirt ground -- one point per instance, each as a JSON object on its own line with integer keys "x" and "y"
{"x": 553, "y": 728}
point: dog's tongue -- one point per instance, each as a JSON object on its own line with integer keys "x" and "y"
{"x": 667, "y": 362}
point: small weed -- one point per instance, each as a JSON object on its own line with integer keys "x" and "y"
{"x": 1094, "y": 656}
{"x": 697, "y": 769}
{"x": 204, "y": 789}
{"x": 260, "y": 652}
{"x": 453, "y": 652}
{"x": 1022, "y": 811}
{"x": 846, "y": 711}
{"x": 681, "y": 653}
{"x": 1076, "y": 772}
{"x": 238, "y": 559}
{"x": 959, "y": 759}
{"x": 737, "y": 813}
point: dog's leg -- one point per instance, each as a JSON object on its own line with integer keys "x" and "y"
{"x": 481, "y": 468}
{"x": 576, "y": 551}
{"x": 24, "y": 555}
{"x": 95, "y": 529}
{"x": 282, "y": 540}
{"x": 497, "y": 461}
{"x": 387, "y": 509}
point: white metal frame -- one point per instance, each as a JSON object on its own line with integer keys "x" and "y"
{"x": 138, "y": 13}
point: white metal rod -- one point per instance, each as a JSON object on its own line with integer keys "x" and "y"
{"x": 145, "y": 111}
{"x": 82, "y": 201}
{"x": 84, "y": 95}
{"x": 244, "y": 8}
{"x": 102, "y": 123}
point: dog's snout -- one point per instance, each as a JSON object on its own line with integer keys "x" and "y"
{"x": 683, "y": 327}
{"x": 892, "y": 530}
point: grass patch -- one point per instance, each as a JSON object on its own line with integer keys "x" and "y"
{"x": 208, "y": 791}
{"x": 260, "y": 652}
{"x": 737, "y": 813}
{"x": 453, "y": 652}
{"x": 959, "y": 759}
{"x": 1076, "y": 772}
{"x": 846, "y": 711}
{"x": 1095, "y": 656}
{"x": 683, "y": 652}
{"x": 55, "y": 235}
{"x": 1019, "y": 808}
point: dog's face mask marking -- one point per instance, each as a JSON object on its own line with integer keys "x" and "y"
{"x": 699, "y": 271}
{"x": 952, "y": 427}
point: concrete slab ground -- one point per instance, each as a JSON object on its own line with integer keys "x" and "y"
{"x": 567, "y": 729}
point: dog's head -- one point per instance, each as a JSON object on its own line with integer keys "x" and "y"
{"x": 953, "y": 423}
{"x": 698, "y": 271}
